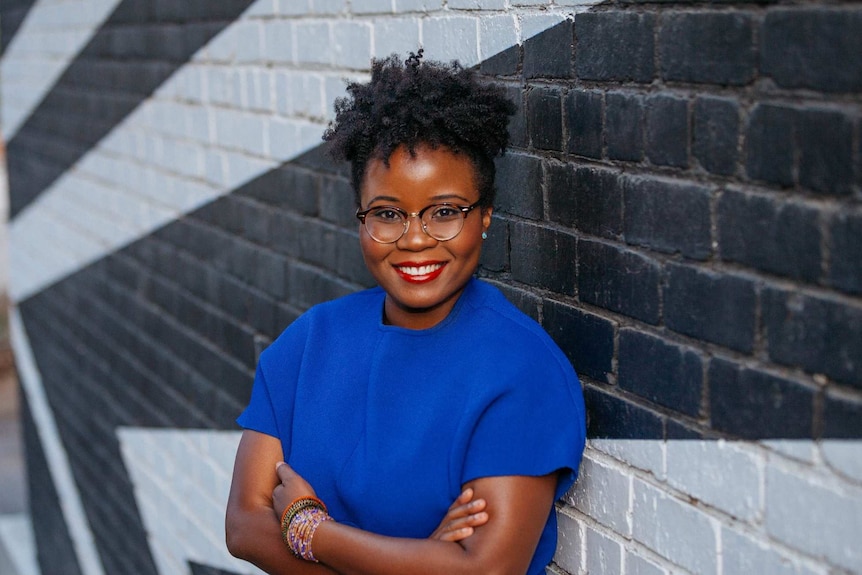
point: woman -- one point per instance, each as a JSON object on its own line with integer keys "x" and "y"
{"x": 427, "y": 424}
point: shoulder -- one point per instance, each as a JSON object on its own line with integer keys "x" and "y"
{"x": 501, "y": 323}
{"x": 337, "y": 318}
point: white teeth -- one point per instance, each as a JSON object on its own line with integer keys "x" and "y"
{"x": 421, "y": 270}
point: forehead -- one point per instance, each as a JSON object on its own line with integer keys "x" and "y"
{"x": 425, "y": 174}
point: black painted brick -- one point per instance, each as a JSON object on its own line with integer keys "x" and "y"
{"x": 668, "y": 216}
{"x": 545, "y": 118}
{"x": 524, "y": 300}
{"x": 813, "y": 48}
{"x": 707, "y": 47}
{"x": 817, "y": 334}
{"x": 311, "y": 286}
{"x": 825, "y": 151}
{"x": 769, "y": 234}
{"x": 503, "y": 63}
{"x": 624, "y": 126}
{"x": 584, "y": 114}
{"x": 752, "y": 404}
{"x": 842, "y": 417}
{"x": 519, "y": 186}
{"x": 660, "y": 371}
{"x": 549, "y": 54}
{"x": 619, "y": 280}
{"x": 286, "y": 187}
{"x": 845, "y": 272}
{"x": 612, "y": 417}
{"x": 337, "y": 203}
{"x": 615, "y": 46}
{"x": 495, "y": 249}
{"x": 543, "y": 257}
{"x": 518, "y": 121}
{"x": 711, "y": 306}
{"x": 559, "y": 186}
{"x": 587, "y": 339}
{"x": 667, "y": 130}
{"x": 599, "y": 199}
{"x": 769, "y": 144}
{"x": 716, "y": 134}
{"x": 201, "y": 569}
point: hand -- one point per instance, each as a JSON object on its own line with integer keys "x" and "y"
{"x": 463, "y": 516}
{"x": 292, "y": 486}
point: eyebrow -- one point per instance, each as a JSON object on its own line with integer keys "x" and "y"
{"x": 438, "y": 198}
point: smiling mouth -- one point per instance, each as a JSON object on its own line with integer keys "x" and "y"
{"x": 420, "y": 273}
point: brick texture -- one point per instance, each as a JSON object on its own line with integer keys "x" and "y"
{"x": 678, "y": 209}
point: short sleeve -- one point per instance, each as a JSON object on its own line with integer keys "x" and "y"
{"x": 533, "y": 427}
{"x": 259, "y": 415}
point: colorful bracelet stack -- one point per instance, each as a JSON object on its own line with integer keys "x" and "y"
{"x": 299, "y": 522}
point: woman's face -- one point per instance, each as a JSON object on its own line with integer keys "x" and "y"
{"x": 422, "y": 277}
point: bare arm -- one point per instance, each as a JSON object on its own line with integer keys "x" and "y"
{"x": 252, "y": 524}
{"x": 517, "y": 506}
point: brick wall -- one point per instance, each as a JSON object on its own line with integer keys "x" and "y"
{"x": 680, "y": 209}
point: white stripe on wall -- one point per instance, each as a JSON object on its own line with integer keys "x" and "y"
{"x": 71, "y": 506}
{"x": 50, "y": 37}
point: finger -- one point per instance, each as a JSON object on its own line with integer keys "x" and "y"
{"x": 463, "y": 510}
{"x": 472, "y": 520}
{"x": 284, "y": 471}
{"x": 456, "y": 535}
{"x": 463, "y": 498}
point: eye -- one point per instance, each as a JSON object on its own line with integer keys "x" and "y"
{"x": 445, "y": 213}
{"x": 386, "y": 215}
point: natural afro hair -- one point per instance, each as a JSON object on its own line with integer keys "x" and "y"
{"x": 421, "y": 102}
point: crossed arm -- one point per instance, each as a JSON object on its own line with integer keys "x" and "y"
{"x": 467, "y": 541}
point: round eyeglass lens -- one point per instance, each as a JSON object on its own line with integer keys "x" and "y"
{"x": 443, "y": 222}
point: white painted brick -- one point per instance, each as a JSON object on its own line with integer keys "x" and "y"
{"x": 530, "y": 2}
{"x": 533, "y": 24}
{"x": 675, "y": 530}
{"x": 307, "y": 95}
{"x": 637, "y": 565}
{"x": 476, "y": 4}
{"x": 329, "y": 6}
{"x": 451, "y": 38}
{"x": 603, "y": 493}
{"x": 570, "y": 543}
{"x": 222, "y": 86}
{"x": 222, "y": 48}
{"x": 402, "y": 6}
{"x": 313, "y": 42}
{"x": 648, "y": 455}
{"x": 583, "y": 3}
{"x": 262, "y": 8}
{"x": 371, "y": 6}
{"x": 700, "y": 469}
{"x": 199, "y": 126}
{"x": 352, "y": 44}
{"x": 800, "y": 450}
{"x": 395, "y": 36}
{"x": 496, "y": 34}
{"x": 258, "y": 86}
{"x": 282, "y": 138}
{"x": 249, "y": 47}
{"x": 742, "y": 554}
{"x": 603, "y": 555}
{"x": 813, "y": 518}
{"x": 278, "y": 41}
{"x": 215, "y": 170}
{"x": 845, "y": 457}
{"x": 293, "y": 7}
{"x": 241, "y": 168}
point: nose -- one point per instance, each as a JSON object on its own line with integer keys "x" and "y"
{"x": 415, "y": 238}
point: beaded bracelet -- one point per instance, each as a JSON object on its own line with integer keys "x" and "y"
{"x": 295, "y": 507}
{"x": 301, "y": 531}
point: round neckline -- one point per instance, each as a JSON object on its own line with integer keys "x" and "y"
{"x": 442, "y": 324}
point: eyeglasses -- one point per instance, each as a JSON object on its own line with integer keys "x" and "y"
{"x": 386, "y": 224}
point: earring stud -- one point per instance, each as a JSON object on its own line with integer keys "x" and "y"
{"x": 484, "y": 236}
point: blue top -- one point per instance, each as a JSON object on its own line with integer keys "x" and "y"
{"x": 388, "y": 423}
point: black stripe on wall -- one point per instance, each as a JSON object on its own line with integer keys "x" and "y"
{"x": 54, "y": 549}
{"x": 200, "y": 569}
{"x": 139, "y": 47}
{"x": 12, "y": 15}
